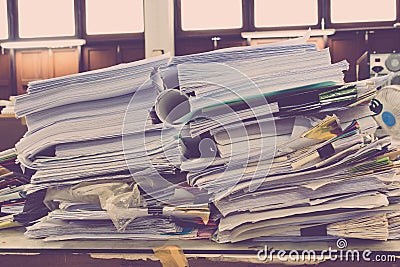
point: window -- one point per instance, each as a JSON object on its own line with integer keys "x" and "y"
{"x": 3, "y": 20}
{"x": 211, "y": 14}
{"x": 285, "y": 13}
{"x": 113, "y": 17}
{"x": 344, "y": 11}
{"x": 46, "y": 18}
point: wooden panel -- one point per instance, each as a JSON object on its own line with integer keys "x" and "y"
{"x": 384, "y": 41}
{"x": 5, "y": 70}
{"x": 131, "y": 52}
{"x": 14, "y": 131}
{"x": 31, "y": 65}
{"x": 64, "y": 62}
{"x": 319, "y": 41}
{"x": 193, "y": 45}
{"x": 97, "y": 57}
{"x": 5, "y": 76}
{"x": 5, "y": 91}
{"x": 226, "y": 42}
{"x": 347, "y": 46}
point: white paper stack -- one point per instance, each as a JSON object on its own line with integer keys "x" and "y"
{"x": 281, "y": 137}
{"x": 271, "y": 135}
{"x": 88, "y": 228}
{"x": 305, "y": 184}
{"x": 94, "y": 125}
{"x": 92, "y": 137}
{"x": 9, "y": 106}
{"x": 83, "y": 221}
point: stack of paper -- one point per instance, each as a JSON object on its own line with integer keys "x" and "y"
{"x": 12, "y": 194}
{"x": 394, "y": 225}
{"x": 282, "y": 137}
{"x": 332, "y": 161}
{"x": 270, "y": 136}
{"x": 88, "y": 126}
{"x": 116, "y": 210}
{"x": 97, "y": 128}
{"x": 9, "y": 106}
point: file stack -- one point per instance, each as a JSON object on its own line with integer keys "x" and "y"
{"x": 81, "y": 127}
{"x": 271, "y": 136}
{"x": 333, "y": 162}
{"x": 9, "y": 106}
{"x": 93, "y": 210}
{"x": 12, "y": 195}
{"x": 247, "y": 100}
{"x": 95, "y": 130}
{"x": 288, "y": 151}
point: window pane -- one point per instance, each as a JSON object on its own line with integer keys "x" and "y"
{"x": 117, "y": 16}
{"x": 3, "y": 20}
{"x": 344, "y": 11}
{"x": 211, "y": 14}
{"x": 271, "y": 13}
{"x": 46, "y": 18}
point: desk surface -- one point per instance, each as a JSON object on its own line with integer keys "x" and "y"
{"x": 16, "y": 250}
{"x": 11, "y": 130}
{"x": 13, "y": 240}
{"x": 7, "y": 116}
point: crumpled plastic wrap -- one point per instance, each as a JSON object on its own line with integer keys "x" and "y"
{"x": 114, "y": 197}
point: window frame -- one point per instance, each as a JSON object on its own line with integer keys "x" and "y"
{"x": 361, "y": 25}
{"x": 8, "y": 21}
{"x": 320, "y": 15}
{"x": 15, "y": 25}
{"x": 107, "y": 37}
{"x": 179, "y": 32}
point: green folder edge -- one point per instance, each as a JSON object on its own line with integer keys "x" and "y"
{"x": 191, "y": 114}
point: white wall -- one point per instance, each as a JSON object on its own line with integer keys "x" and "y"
{"x": 159, "y": 26}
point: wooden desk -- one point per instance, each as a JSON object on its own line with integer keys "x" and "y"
{"x": 11, "y": 130}
{"x": 16, "y": 250}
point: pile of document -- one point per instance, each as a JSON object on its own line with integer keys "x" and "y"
{"x": 81, "y": 127}
{"x": 96, "y": 130}
{"x": 325, "y": 172}
{"x": 88, "y": 210}
{"x": 288, "y": 151}
{"x": 12, "y": 194}
{"x": 8, "y": 106}
{"x": 262, "y": 143}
